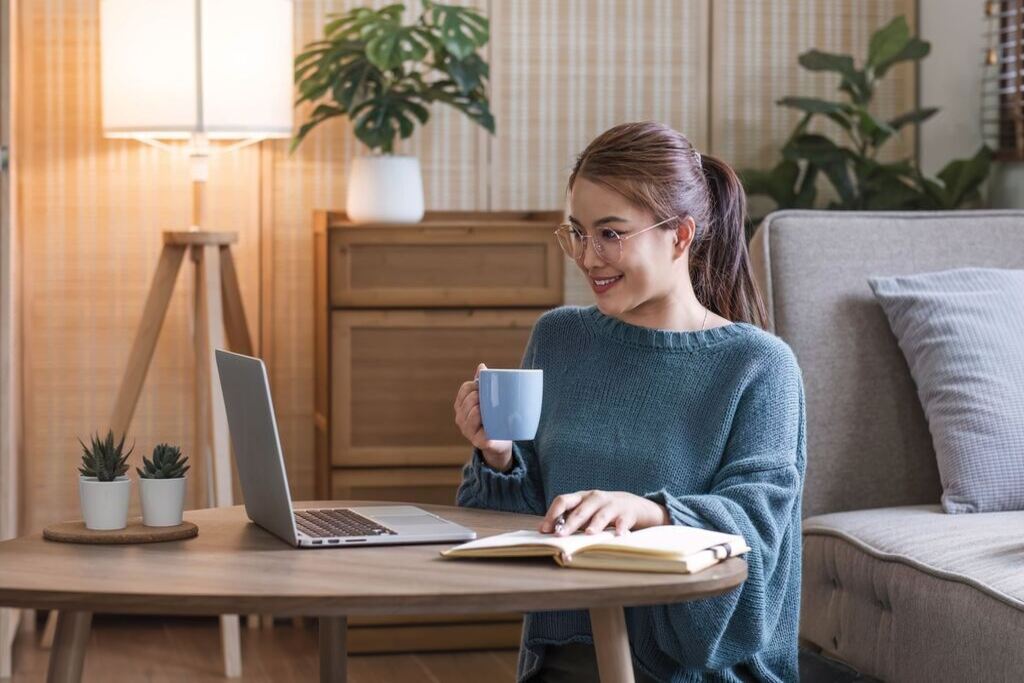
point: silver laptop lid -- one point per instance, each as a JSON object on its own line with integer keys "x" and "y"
{"x": 258, "y": 454}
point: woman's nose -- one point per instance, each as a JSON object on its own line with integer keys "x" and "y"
{"x": 588, "y": 261}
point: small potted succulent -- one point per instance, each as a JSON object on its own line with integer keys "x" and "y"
{"x": 162, "y": 486}
{"x": 103, "y": 489}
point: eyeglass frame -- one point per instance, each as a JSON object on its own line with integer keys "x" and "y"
{"x": 597, "y": 250}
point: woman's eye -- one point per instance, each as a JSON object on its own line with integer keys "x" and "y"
{"x": 608, "y": 234}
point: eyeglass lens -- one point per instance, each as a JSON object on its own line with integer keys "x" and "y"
{"x": 607, "y": 243}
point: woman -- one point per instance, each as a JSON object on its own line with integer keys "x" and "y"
{"x": 666, "y": 403}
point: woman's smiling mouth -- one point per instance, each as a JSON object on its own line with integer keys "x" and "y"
{"x": 602, "y": 285}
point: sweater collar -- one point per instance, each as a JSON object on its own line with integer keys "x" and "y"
{"x": 636, "y": 335}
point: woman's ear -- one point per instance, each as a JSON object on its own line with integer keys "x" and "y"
{"x": 684, "y": 235}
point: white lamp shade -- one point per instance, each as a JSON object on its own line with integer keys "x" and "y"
{"x": 153, "y": 88}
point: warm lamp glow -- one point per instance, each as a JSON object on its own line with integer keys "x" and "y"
{"x": 153, "y": 88}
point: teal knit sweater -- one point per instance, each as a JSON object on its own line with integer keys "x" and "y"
{"x": 708, "y": 423}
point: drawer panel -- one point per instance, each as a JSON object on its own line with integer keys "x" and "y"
{"x": 395, "y": 375}
{"x": 433, "y": 485}
{"x": 502, "y": 264}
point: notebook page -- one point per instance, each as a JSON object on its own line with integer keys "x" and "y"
{"x": 567, "y": 544}
{"x": 674, "y": 540}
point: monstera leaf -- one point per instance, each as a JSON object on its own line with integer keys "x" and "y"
{"x": 383, "y": 75}
{"x": 852, "y": 166}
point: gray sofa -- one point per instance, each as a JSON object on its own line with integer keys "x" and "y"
{"x": 892, "y": 586}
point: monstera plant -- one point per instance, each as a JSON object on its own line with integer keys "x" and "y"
{"x": 851, "y": 164}
{"x": 383, "y": 75}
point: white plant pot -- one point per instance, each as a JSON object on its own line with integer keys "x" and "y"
{"x": 385, "y": 189}
{"x": 104, "y": 503}
{"x": 163, "y": 501}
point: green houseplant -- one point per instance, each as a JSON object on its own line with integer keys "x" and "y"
{"x": 383, "y": 75}
{"x": 162, "y": 486}
{"x": 103, "y": 489}
{"x": 851, "y": 165}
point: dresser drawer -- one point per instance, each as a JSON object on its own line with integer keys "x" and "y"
{"x": 455, "y": 264}
{"x": 429, "y": 485}
{"x": 395, "y": 374}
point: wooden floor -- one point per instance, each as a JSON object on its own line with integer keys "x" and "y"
{"x": 166, "y": 649}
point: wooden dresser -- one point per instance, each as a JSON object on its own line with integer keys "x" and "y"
{"x": 404, "y": 313}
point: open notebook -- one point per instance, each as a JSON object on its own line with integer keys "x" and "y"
{"x": 671, "y": 548}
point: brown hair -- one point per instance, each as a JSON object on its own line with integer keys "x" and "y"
{"x": 656, "y": 168}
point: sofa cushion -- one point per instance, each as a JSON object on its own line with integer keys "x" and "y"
{"x": 914, "y": 594}
{"x": 962, "y": 333}
{"x": 868, "y": 444}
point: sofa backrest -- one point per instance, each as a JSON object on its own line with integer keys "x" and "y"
{"x": 868, "y": 443}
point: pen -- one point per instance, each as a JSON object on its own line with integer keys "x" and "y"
{"x": 559, "y": 523}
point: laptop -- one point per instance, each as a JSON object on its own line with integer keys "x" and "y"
{"x": 268, "y": 501}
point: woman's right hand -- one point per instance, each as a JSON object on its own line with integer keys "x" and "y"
{"x": 498, "y": 454}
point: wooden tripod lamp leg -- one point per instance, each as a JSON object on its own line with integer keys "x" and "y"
{"x": 234, "y": 313}
{"x": 153, "y": 315}
{"x": 211, "y": 324}
{"x": 212, "y": 438}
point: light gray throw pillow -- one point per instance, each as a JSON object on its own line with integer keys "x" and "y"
{"x": 962, "y": 333}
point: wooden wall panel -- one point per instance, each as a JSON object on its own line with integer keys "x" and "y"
{"x": 562, "y": 72}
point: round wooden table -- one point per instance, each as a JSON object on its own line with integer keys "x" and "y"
{"x": 235, "y": 567}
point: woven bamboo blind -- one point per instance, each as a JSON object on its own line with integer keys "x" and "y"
{"x": 1003, "y": 84}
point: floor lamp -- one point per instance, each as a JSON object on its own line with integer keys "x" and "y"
{"x": 195, "y": 70}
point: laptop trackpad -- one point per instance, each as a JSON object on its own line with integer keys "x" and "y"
{"x": 406, "y": 522}
{"x": 399, "y": 517}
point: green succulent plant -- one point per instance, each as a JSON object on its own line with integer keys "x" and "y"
{"x": 167, "y": 463}
{"x": 103, "y": 459}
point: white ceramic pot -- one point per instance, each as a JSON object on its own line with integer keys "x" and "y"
{"x": 385, "y": 189}
{"x": 104, "y": 503}
{"x": 163, "y": 501}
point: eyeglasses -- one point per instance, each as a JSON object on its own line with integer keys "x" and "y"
{"x": 608, "y": 243}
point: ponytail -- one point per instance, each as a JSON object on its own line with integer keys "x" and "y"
{"x": 719, "y": 260}
{"x": 657, "y": 168}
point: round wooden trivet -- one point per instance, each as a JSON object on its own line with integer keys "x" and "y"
{"x": 135, "y": 532}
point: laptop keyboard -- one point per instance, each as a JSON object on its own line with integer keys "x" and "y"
{"x": 337, "y": 522}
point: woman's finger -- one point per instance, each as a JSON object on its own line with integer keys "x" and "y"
{"x": 559, "y": 505}
{"x": 602, "y": 518}
{"x": 471, "y": 400}
{"x": 622, "y": 525}
{"x": 579, "y": 516}
{"x": 464, "y": 389}
{"x": 480, "y": 438}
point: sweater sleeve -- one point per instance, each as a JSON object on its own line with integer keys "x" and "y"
{"x": 521, "y": 488}
{"x": 518, "y": 490}
{"x": 756, "y": 493}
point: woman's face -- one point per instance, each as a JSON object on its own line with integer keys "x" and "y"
{"x": 651, "y": 263}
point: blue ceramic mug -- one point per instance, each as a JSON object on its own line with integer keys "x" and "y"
{"x": 510, "y": 403}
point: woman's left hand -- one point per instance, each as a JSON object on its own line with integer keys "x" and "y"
{"x": 595, "y": 510}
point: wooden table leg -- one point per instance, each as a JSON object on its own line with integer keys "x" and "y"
{"x": 231, "y": 645}
{"x": 333, "y": 649}
{"x": 611, "y": 642}
{"x": 68, "y": 653}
